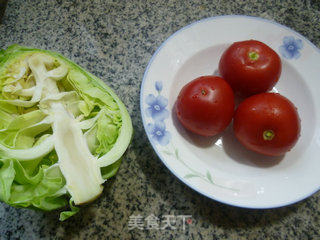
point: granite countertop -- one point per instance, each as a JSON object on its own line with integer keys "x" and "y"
{"x": 115, "y": 40}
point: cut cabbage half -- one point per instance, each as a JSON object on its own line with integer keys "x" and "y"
{"x": 55, "y": 115}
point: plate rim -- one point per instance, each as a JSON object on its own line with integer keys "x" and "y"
{"x": 152, "y": 143}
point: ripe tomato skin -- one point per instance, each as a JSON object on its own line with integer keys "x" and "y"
{"x": 267, "y": 123}
{"x": 205, "y": 105}
{"x": 250, "y": 67}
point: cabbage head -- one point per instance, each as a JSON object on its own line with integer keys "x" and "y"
{"x": 62, "y": 131}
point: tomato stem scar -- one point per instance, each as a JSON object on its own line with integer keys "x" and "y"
{"x": 253, "y": 56}
{"x": 203, "y": 92}
{"x": 268, "y": 135}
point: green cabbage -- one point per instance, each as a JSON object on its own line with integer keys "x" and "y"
{"x": 62, "y": 131}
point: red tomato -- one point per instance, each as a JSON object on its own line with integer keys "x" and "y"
{"x": 267, "y": 123}
{"x": 205, "y": 105}
{"x": 250, "y": 67}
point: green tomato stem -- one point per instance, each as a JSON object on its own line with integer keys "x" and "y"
{"x": 254, "y": 56}
{"x": 268, "y": 135}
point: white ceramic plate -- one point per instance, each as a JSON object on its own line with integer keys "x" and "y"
{"x": 220, "y": 168}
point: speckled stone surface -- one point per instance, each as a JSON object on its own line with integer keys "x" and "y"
{"x": 115, "y": 40}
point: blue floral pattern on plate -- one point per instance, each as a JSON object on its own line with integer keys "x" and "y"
{"x": 158, "y": 86}
{"x": 291, "y": 47}
{"x": 158, "y": 132}
{"x": 157, "y": 107}
{"x": 157, "y": 111}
